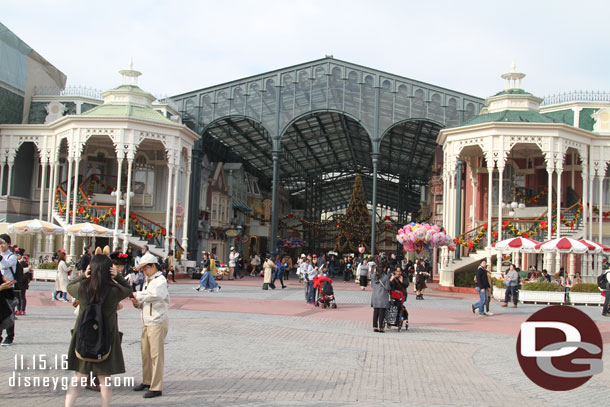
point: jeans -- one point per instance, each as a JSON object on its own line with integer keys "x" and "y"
{"x": 347, "y": 274}
{"x": 22, "y": 300}
{"x": 306, "y": 286}
{"x": 511, "y": 290}
{"x": 207, "y": 281}
{"x": 311, "y": 293}
{"x": 606, "y": 302}
{"x": 483, "y": 298}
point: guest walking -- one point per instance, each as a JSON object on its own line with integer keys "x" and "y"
{"x": 268, "y": 268}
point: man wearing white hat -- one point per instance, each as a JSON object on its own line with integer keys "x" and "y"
{"x": 233, "y": 259}
{"x": 153, "y": 300}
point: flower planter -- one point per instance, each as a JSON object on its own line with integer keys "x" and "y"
{"x": 587, "y": 298}
{"x": 542, "y": 297}
{"x": 44, "y": 275}
{"x": 499, "y": 293}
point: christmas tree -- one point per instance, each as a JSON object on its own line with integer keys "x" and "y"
{"x": 355, "y": 228}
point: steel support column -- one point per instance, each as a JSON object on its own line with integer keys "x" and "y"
{"x": 274, "y": 201}
{"x": 375, "y": 159}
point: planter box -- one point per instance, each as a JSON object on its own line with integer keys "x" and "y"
{"x": 587, "y": 298}
{"x": 542, "y": 297}
{"x": 498, "y": 293}
{"x": 44, "y": 275}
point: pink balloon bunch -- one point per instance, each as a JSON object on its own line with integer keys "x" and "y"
{"x": 414, "y": 236}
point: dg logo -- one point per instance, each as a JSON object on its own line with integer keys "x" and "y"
{"x": 560, "y": 348}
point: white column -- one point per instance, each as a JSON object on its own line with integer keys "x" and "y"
{"x": 573, "y": 265}
{"x": 185, "y": 218}
{"x": 500, "y": 193}
{"x": 43, "y": 163}
{"x": 452, "y": 227}
{"x": 549, "y": 212}
{"x": 474, "y": 184}
{"x": 76, "y": 186}
{"x": 558, "y": 233}
{"x": 601, "y": 203}
{"x": 175, "y": 203}
{"x": 53, "y": 187}
{"x": 585, "y": 203}
{"x": 559, "y": 172}
{"x": 117, "y": 215}
{"x": 2, "y": 178}
{"x": 128, "y": 198}
{"x": 10, "y": 179}
{"x": 170, "y": 170}
{"x": 591, "y": 176}
{"x": 68, "y": 189}
{"x": 490, "y": 171}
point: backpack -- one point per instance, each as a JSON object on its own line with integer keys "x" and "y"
{"x": 602, "y": 281}
{"x": 213, "y": 267}
{"x": 18, "y": 274}
{"x": 92, "y": 342}
{"x": 166, "y": 264}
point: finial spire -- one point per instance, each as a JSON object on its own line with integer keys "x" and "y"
{"x": 511, "y": 78}
{"x": 130, "y": 77}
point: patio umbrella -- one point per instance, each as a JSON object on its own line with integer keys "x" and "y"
{"x": 601, "y": 247}
{"x": 516, "y": 244}
{"x": 35, "y": 226}
{"x": 88, "y": 229}
{"x": 566, "y": 245}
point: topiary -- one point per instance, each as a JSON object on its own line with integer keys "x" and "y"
{"x": 542, "y": 286}
{"x": 584, "y": 288}
{"x": 464, "y": 279}
{"x": 499, "y": 283}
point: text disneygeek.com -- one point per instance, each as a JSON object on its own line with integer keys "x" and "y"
{"x": 25, "y": 368}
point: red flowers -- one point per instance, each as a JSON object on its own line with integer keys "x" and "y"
{"x": 387, "y": 217}
{"x": 132, "y": 215}
{"x": 290, "y": 215}
{"x": 149, "y": 236}
{"x": 113, "y": 211}
{"x": 163, "y": 232}
{"x": 525, "y": 235}
{"x": 96, "y": 220}
{"x": 122, "y": 255}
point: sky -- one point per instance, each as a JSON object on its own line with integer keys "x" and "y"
{"x": 183, "y": 45}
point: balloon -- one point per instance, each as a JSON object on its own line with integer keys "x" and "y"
{"x": 420, "y": 234}
{"x": 429, "y": 234}
{"x": 436, "y": 228}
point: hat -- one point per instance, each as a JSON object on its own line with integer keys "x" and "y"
{"x": 303, "y": 255}
{"x": 232, "y": 248}
{"x": 148, "y": 258}
{"x": 314, "y": 255}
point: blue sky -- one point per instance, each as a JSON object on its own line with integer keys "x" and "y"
{"x": 186, "y": 45}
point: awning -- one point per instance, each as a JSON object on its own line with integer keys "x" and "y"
{"x": 241, "y": 205}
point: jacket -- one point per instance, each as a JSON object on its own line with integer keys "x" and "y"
{"x": 482, "y": 281}
{"x": 512, "y": 278}
{"x": 154, "y": 300}
{"x": 380, "y": 297}
{"x": 114, "y": 364}
{"x": 268, "y": 267}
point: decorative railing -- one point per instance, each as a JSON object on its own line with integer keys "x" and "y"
{"x": 68, "y": 91}
{"x": 576, "y": 96}
{"x": 104, "y": 215}
{"x": 537, "y": 229}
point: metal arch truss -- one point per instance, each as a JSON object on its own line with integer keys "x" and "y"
{"x": 320, "y": 123}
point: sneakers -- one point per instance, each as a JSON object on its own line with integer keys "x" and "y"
{"x": 217, "y": 289}
{"x": 488, "y": 314}
{"x": 153, "y": 393}
{"x": 197, "y": 288}
{"x": 504, "y": 305}
{"x": 514, "y": 306}
{"x": 473, "y": 308}
{"x": 7, "y": 342}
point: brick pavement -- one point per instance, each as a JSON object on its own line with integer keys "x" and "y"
{"x": 223, "y": 356}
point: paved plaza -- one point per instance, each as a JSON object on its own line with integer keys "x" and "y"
{"x": 244, "y": 346}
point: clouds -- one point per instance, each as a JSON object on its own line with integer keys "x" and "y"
{"x": 185, "y": 45}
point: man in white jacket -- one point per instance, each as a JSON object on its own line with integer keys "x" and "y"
{"x": 153, "y": 300}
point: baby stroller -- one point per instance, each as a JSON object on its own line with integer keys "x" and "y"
{"x": 396, "y": 314}
{"x": 326, "y": 294}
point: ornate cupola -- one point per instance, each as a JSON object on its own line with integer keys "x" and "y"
{"x": 513, "y": 97}
{"x": 129, "y": 93}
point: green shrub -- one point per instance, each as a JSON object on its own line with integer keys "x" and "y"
{"x": 584, "y": 288}
{"x": 50, "y": 265}
{"x": 499, "y": 283}
{"x": 464, "y": 279}
{"x": 542, "y": 286}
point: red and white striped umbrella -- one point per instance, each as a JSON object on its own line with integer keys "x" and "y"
{"x": 516, "y": 244}
{"x": 565, "y": 245}
{"x": 602, "y": 248}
